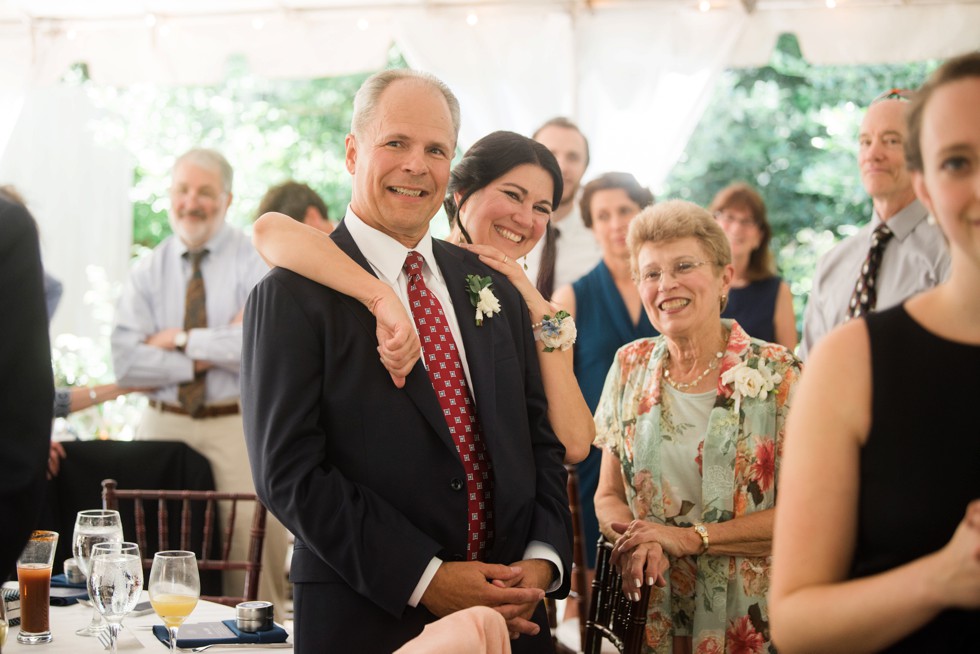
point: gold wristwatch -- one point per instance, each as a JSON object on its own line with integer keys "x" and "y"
{"x": 702, "y": 531}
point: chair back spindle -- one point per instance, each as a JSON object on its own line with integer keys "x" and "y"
{"x": 612, "y": 615}
{"x": 190, "y": 503}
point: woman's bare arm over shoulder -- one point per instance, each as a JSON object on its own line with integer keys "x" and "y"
{"x": 287, "y": 243}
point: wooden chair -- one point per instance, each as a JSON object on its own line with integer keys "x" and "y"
{"x": 611, "y": 614}
{"x": 190, "y": 503}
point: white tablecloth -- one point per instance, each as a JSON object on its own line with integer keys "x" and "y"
{"x": 137, "y": 634}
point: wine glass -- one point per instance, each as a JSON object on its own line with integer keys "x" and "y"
{"x": 115, "y": 582}
{"x": 92, "y": 527}
{"x": 175, "y": 587}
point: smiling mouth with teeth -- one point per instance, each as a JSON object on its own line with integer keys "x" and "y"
{"x": 509, "y": 235}
{"x": 674, "y": 304}
{"x": 412, "y": 193}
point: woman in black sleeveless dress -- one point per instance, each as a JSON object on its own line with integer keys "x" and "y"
{"x": 877, "y": 537}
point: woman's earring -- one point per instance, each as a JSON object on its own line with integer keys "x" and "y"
{"x": 525, "y": 263}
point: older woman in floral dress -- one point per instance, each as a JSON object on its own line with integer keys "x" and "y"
{"x": 692, "y": 426}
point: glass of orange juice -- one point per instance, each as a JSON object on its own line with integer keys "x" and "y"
{"x": 34, "y": 577}
{"x": 175, "y": 587}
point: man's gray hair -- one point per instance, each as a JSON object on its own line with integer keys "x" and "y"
{"x": 366, "y": 100}
{"x": 211, "y": 159}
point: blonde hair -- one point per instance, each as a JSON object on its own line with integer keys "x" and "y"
{"x": 673, "y": 220}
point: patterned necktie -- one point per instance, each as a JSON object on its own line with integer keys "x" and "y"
{"x": 449, "y": 382}
{"x": 865, "y": 295}
{"x": 191, "y": 394}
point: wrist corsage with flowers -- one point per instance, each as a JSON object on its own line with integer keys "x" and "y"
{"x": 556, "y": 332}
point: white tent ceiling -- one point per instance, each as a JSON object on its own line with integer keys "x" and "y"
{"x": 635, "y": 74}
{"x": 187, "y": 41}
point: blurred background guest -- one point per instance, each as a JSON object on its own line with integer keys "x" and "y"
{"x": 568, "y": 249}
{"x": 27, "y": 400}
{"x": 299, "y": 202}
{"x": 607, "y": 309}
{"x": 888, "y": 555}
{"x": 898, "y": 253}
{"x": 759, "y": 299}
{"x": 692, "y": 424}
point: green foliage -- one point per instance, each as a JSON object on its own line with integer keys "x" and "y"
{"x": 790, "y": 129}
{"x": 270, "y": 131}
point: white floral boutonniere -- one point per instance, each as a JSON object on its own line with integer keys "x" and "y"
{"x": 747, "y": 381}
{"x": 557, "y": 333}
{"x": 482, "y": 297}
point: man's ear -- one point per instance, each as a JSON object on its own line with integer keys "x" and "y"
{"x": 350, "y": 158}
{"x": 921, "y": 192}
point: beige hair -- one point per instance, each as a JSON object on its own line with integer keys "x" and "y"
{"x": 366, "y": 99}
{"x": 676, "y": 219}
{"x": 211, "y": 159}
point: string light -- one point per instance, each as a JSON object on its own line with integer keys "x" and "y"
{"x": 472, "y": 19}
{"x": 150, "y": 20}
{"x": 72, "y": 34}
{"x": 704, "y": 5}
{"x": 362, "y": 24}
{"x": 257, "y": 24}
{"x": 831, "y": 4}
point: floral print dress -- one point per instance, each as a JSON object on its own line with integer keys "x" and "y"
{"x": 718, "y": 600}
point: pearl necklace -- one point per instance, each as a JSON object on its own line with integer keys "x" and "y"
{"x": 683, "y": 386}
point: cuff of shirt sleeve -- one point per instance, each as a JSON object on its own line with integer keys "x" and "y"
{"x": 424, "y": 581}
{"x": 540, "y": 550}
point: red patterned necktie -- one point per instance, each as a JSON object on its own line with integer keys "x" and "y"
{"x": 191, "y": 394}
{"x": 865, "y": 295}
{"x": 449, "y": 382}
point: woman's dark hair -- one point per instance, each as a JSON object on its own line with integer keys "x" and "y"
{"x": 742, "y": 196}
{"x": 488, "y": 159}
{"x": 957, "y": 68}
{"x": 641, "y": 195}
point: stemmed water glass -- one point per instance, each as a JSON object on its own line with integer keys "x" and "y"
{"x": 115, "y": 583}
{"x": 92, "y": 527}
{"x": 175, "y": 586}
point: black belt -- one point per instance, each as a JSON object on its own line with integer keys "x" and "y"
{"x": 214, "y": 411}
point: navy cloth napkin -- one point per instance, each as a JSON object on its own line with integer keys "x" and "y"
{"x": 275, "y": 635}
{"x": 64, "y": 593}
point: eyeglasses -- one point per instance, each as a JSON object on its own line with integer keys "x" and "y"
{"x": 731, "y": 219}
{"x": 679, "y": 269}
{"x": 904, "y": 95}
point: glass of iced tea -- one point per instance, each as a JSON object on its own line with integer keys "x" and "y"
{"x": 34, "y": 577}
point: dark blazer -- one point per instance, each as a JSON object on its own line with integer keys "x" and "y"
{"x": 27, "y": 398}
{"x": 365, "y": 474}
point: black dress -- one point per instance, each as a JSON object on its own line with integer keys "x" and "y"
{"x": 921, "y": 465}
{"x": 753, "y": 307}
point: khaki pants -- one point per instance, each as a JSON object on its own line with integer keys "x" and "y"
{"x": 222, "y": 442}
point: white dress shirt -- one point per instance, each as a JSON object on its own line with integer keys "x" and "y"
{"x": 387, "y": 258}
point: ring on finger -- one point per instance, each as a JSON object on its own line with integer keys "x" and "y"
{"x": 505, "y": 258}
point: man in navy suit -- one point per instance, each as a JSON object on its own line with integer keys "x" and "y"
{"x": 366, "y": 474}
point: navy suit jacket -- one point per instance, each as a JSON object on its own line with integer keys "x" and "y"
{"x": 365, "y": 474}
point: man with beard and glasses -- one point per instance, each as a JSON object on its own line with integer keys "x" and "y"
{"x": 178, "y": 330}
